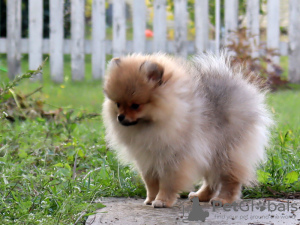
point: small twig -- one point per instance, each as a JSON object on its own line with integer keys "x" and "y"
{"x": 11, "y": 189}
{"x": 59, "y": 107}
{"x": 18, "y": 78}
{"x": 281, "y": 200}
{"x": 36, "y": 90}
{"x": 81, "y": 215}
{"x": 99, "y": 168}
{"x": 58, "y": 218}
{"x": 17, "y": 102}
{"x": 84, "y": 211}
{"x": 119, "y": 175}
{"x": 90, "y": 223}
{"x": 87, "y": 116}
{"x": 4, "y": 146}
{"x": 74, "y": 167}
{"x": 275, "y": 193}
{"x": 15, "y": 97}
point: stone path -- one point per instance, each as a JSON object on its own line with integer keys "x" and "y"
{"x": 127, "y": 211}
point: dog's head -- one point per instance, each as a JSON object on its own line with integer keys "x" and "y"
{"x": 131, "y": 84}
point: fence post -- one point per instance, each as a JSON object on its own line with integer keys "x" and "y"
{"x": 160, "y": 26}
{"x": 77, "y": 45}
{"x": 273, "y": 29}
{"x": 181, "y": 20}
{"x": 13, "y": 37}
{"x": 201, "y": 25}
{"x": 139, "y": 25}
{"x": 119, "y": 28}
{"x": 252, "y": 15}
{"x": 294, "y": 41}
{"x": 231, "y": 19}
{"x": 56, "y": 40}
{"x": 217, "y": 30}
{"x": 35, "y": 35}
{"x": 98, "y": 41}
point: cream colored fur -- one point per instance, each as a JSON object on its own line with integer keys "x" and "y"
{"x": 203, "y": 121}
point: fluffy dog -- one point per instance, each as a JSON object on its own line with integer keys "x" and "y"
{"x": 178, "y": 121}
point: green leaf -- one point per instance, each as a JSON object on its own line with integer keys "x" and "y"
{"x": 6, "y": 96}
{"x": 65, "y": 172}
{"x": 22, "y": 154}
{"x": 89, "y": 214}
{"x": 73, "y": 126}
{"x": 103, "y": 173}
{"x": 39, "y": 119}
{"x": 59, "y": 165}
{"x": 68, "y": 115}
{"x": 80, "y": 153}
{"x": 99, "y": 205}
{"x": 68, "y": 166}
{"x": 296, "y": 186}
{"x": 3, "y": 69}
{"x": 263, "y": 176}
{"x": 26, "y": 204}
{"x": 291, "y": 177}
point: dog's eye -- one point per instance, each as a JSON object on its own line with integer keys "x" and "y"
{"x": 135, "y": 106}
{"x": 118, "y": 104}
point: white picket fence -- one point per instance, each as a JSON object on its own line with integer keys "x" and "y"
{"x": 77, "y": 46}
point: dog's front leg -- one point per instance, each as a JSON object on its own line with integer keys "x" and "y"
{"x": 152, "y": 186}
{"x": 167, "y": 193}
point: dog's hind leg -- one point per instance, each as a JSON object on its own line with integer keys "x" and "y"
{"x": 230, "y": 190}
{"x": 205, "y": 193}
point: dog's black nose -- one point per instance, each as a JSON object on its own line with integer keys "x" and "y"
{"x": 121, "y": 117}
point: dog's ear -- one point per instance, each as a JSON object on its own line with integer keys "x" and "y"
{"x": 153, "y": 71}
{"x": 115, "y": 62}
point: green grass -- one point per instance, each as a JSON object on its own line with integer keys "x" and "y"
{"x": 37, "y": 157}
{"x": 280, "y": 172}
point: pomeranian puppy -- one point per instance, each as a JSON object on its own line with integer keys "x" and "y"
{"x": 180, "y": 121}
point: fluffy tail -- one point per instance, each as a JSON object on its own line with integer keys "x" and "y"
{"x": 209, "y": 63}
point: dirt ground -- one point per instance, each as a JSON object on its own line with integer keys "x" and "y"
{"x": 127, "y": 211}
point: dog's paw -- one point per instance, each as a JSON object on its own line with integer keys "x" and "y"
{"x": 203, "y": 197}
{"x": 148, "y": 201}
{"x": 163, "y": 204}
{"x": 192, "y": 195}
{"x": 159, "y": 204}
{"x": 219, "y": 201}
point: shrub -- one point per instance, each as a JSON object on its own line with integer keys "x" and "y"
{"x": 269, "y": 72}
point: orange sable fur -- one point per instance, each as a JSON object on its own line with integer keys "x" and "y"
{"x": 180, "y": 121}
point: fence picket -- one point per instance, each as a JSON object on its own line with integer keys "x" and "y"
{"x": 181, "y": 21}
{"x": 273, "y": 28}
{"x": 119, "y": 28}
{"x": 217, "y": 27}
{"x": 231, "y": 18}
{"x": 13, "y": 41}
{"x": 35, "y": 35}
{"x": 77, "y": 37}
{"x": 98, "y": 38}
{"x": 160, "y": 26}
{"x": 294, "y": 41}
{"x": 139, "y": 25}
{"x": 56, "y": 40}
{"x": 252, "y": 15}
{"x": 201, "y": 25}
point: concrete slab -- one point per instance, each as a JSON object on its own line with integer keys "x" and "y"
{"x": 127, "y": 211}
